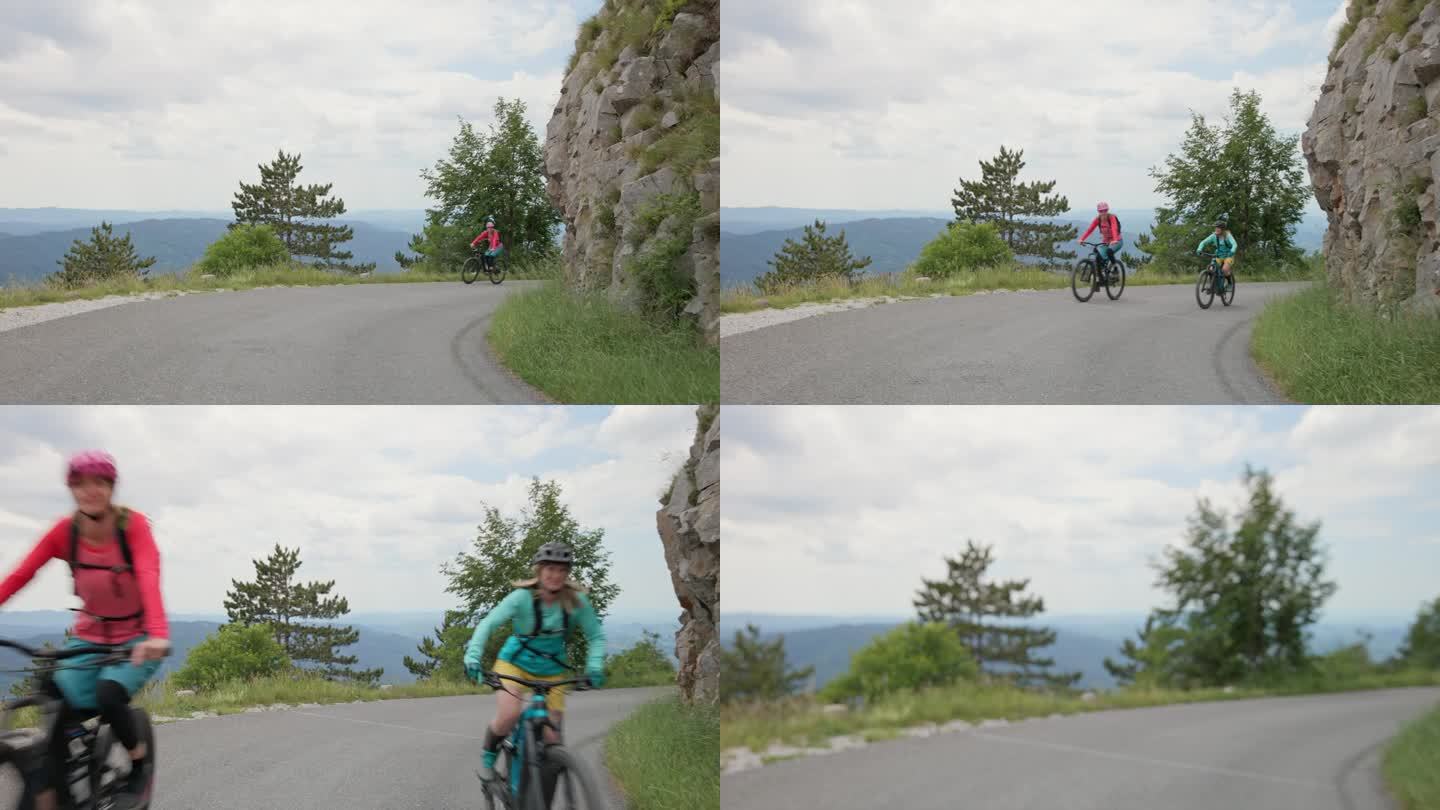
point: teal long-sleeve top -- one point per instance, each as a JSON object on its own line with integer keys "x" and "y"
{"x": 518, "y": 608}
{"x": 1224, "y": 248}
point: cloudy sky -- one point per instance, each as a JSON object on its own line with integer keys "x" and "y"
{"x": 842, "y": 511}
{"x": 375, "y": 498}
{"x": 170, "y": 103}
{"x": 886, "y": 105}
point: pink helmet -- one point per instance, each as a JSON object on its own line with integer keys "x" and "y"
{"x": 91, "y": 462}
{"x": 1102, "y": 207}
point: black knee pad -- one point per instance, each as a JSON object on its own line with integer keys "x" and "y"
{"x": 110, "y": 696}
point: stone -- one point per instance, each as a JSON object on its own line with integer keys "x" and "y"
{"x": 835, "y": 708}
{"x": 689, "y": 527}
{"x": 688, "y": 37}
{"x": 1088, "y": 697}
{"x": 637, "y": 82}
{"x": 670, "y": 120}
{"x": 183, "y": 693}
{"x": 922, "y": 279}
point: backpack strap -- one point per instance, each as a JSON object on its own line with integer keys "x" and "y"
{"x": 537, "y": 631}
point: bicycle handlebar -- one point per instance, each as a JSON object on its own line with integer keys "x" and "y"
{"x": 582, "y": 683}
{"x": 68, "y": 652}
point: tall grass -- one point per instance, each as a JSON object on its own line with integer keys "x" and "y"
{"x": 1412, "y": 764}
{"x": 666, "y": 755}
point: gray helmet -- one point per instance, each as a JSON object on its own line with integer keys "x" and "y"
{"x": 553, "y": 553}
{"x": 1220, "y": 223}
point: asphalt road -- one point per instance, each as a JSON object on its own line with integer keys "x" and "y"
{"x": 388, "y": 754}
{"x": 360, "y": 344}
{"x": 1307, "y": 753}
{"x": 1153, "y": 346}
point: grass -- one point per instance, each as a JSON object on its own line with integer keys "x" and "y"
{"x": 666, "y": 756}
{"x": 581, "y": 348}
{"x": 1321, "y": 351}
{"x": 191, "y": 281}
{"x": 801, "y": 721}
{"x": 1410, "y": 764}
{"x": 749, "y": 299}
{"x": 1414, "y": 111}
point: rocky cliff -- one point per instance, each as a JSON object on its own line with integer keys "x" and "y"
{"x": 632, "y": 157}
{"x": 689, "y": 523}
{"x": 1373, "y": 145}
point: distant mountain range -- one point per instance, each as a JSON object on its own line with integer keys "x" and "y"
{"x": 750, "y": 237}
{"x": 1082, "y": 642}
{"x": 380, "y": 644}
{"x": 176, "y": 244}
{"x": 24, "y": 221}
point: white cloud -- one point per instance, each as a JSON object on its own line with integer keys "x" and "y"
{"x": 842, "y": 510}
{"x": 885, "y": 106}
{"x": 376, "y": 497}
{"x": 169, "y": 104}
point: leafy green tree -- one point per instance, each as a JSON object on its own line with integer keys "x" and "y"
{"x": 276, "y": 599}
{"x": 999, "y": 198}
{"x": 755, "y": 670}
{"x": 501, "y": 554}
{"x": 103, "y": 258}
{"x": 972, "y": 606}
{"x": 292, "y": 212}
{"x": 643, "y": 664}
{"x": 1422, "y": 643}
{"x": 1150, "y": 661}
{"x": 235, "y": 652}
{"x": 500, "y": 173}
{"x": 443, "y": 657}
{"x": 815, "y": 257}
{"x": 1246, "y": 594}
{"x": 1242, "y": 171}
{"x": 245, "y": 247}
{"x": 912, "y": 656}
{"x": 963, "y": 247}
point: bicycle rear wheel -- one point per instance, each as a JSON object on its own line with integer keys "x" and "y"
{"x": 1205, "y": 289}
{"x": 470, "y": 270}
{"x": 575, "y": 787}
{"x": 1083, "y": 276}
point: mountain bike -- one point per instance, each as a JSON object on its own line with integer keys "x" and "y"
{"x": 1087, "y": 274}
{"x": 1210, "y": 278}
{"x": 91, "y": 779}
{"x": 529, "y": 770}
{"x": 475, "y": 265}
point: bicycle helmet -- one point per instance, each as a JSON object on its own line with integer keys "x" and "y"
{"x": 553, "y": 553}
{"x": 1103, "y": 207}
{"x": 91, "y": 462}
{"x": 1220, "y": 223}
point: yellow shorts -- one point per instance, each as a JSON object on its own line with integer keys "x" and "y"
{"x": 1227, "y": 262}
{"x": 554, "y": 701}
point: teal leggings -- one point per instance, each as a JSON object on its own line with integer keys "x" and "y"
{"x": 78, "y": 682}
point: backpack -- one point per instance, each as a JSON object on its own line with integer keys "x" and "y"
{"x": 565, "y": 632}
{"x": 122, "y": 520}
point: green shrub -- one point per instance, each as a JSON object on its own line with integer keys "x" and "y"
{"x": 244, "y": 247}
{"x": 233, "y": 653}
{"x": 663, "y": 291}
{"x": 1414, "y": 111}
{"x": 910, "y": 657}
{"x": 963, "y": 247}
{"x": 643, "y": 664}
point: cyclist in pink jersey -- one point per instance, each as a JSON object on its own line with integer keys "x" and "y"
{"x": 116, "y": 568}
{"x": 1109, "y": 226}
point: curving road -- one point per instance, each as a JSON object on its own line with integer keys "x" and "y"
{"x": 387, "y": 754}
{"x": 1307, "y": 753}
{"x": 1153, "y": 346}
{"x": 360, "y": 344}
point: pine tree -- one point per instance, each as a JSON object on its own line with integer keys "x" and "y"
{"x": 1150, "y": 660}
{"x": 291, "y": 210}
{"x": 277, "y": 599}
{"x": 969, "y": 604}
{"x": 1247, "y": 595}
{"x": 500, "y": 555}
{"x": 999, "y": 198}
{"x": 1422, "y": 643}
{"x": 103, "y": 258}
{"x": 815, "y": 257}
{"x": 443, "y": 657}
{"x": 755, "y": 670}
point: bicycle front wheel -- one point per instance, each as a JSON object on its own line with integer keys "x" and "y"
{"x": 1229, "y": 294}
{"x": 470, "y": 270}
{"x": 104, "y": 780}
{"x": 1083, "y": 277}
{"x": 1205, "y": 289}
{"x": 497, "y": 273}
{"x": 497, "y": 790}
{"x": 575, "y": 786}
{"x": 1116, "y": 283}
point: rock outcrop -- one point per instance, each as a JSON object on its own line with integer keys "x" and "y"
{"x": 632, "y": 159}
{"x": 1373, "y": 146}
{"x": 689, "y": 524}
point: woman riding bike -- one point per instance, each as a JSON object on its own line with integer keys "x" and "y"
{"x": 116, "y": 568}
{"x": 1109, "y": 226}
{"x": 1224, "y": 244}
{"x": 491, "y": 236}
{"x": 540, "y": 611}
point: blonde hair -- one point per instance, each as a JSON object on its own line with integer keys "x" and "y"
{"x": 569, "y": 594}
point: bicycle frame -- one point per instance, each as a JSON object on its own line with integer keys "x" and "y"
{"x": 535, "y": 718}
